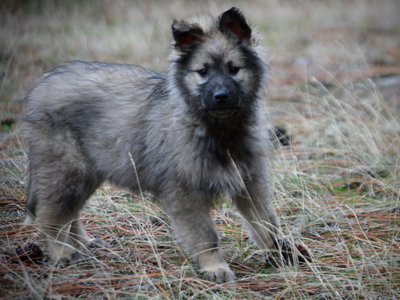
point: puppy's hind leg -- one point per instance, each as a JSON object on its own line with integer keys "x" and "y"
{"x": 78, "y": 232}
{"x": 59, "y": 202}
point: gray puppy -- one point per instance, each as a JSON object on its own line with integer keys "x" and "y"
{"x": 194, "y": 134}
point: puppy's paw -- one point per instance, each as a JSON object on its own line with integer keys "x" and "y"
{"x": 63, "y": 254}
{"x": 288, "y": 253}
{"x": 98, "y": 243}
{"x": 67, "y": 259}
{"x": 219, "y": 272}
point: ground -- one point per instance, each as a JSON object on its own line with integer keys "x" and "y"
{"x": 334, "y": 86}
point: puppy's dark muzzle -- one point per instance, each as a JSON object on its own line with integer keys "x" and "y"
{"x": 224, "y": 105}
{"x": 221, "y": 96}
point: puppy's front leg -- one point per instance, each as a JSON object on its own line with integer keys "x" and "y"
{"x": 195, "y": 230}
{"x": 260, "y": 218}
{"x": 255, "y": 206}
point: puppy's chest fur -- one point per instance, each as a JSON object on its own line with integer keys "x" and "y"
{"x": 220, "y": 162}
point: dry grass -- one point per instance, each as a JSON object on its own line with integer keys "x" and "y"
{"x": 334, "y": 86}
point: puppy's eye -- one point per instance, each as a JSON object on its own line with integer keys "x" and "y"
{"x": 202, "y": 72}
{"x": 233, "y": 70}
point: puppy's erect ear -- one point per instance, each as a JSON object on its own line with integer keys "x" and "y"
{"x": 233, "y": 23}
{"x": 186, "y": 35}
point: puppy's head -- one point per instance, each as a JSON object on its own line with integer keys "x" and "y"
{"x": 216, "y": 66}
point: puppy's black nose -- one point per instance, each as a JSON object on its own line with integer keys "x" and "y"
{"x": 220, "y": 96}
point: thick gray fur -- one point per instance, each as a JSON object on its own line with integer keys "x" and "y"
{"x": 86, "y": 120}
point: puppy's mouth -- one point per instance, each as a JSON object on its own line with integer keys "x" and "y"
{"x": 223, "y": 112}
